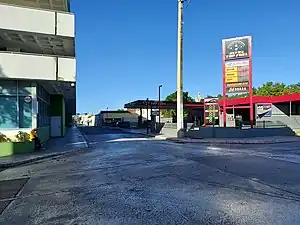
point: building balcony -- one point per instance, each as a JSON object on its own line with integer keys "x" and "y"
{"x": 57, "y": 5}
{"x": 38, "y": 21}
{"x": 37, "y": 67}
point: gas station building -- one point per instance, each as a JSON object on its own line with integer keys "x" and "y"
{"x": 269, "y": 111}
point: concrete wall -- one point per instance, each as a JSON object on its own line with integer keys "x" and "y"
{"x": 37, "y": 67}
{"x": 37, "y": 21}
{"x": 66, "y": 69}
{"x": 280, "y": 114}
{"x": 27, "y": 66}
{"x": 62, "y": 5}
{"x": 169, "y": 130}
{"x": 230, "y": 132}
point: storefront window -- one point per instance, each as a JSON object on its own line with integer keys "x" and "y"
{"x": 43, "y": 107}
{"x": 25, "y": 88}
{"x": 15, "y": 104}
{"x": 25, "y": 112}
{"x": 8, "y": 87}
{"x": 8, "y": 112}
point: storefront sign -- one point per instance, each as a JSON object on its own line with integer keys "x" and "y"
{"x": 264, "y": 110}
{"x": 237, "y": 87}
{"x": 211, "y": 108}
{"x": 237, "y": 71}
{"x": 236, "y": 63}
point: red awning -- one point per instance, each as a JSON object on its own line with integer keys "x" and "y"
{"x": 262, "y": 99}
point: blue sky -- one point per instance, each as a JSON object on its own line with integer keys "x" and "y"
{"x": 125, "y": 49}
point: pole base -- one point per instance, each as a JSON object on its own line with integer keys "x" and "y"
{"x": 181, "y": 133}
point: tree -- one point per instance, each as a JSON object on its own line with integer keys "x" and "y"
{"x": 272, "y": 89}
{"x": 173, "y": 97}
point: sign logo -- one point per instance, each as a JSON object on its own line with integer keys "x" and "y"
{"x": 27, "y": 99}
{"x": 264, "y": 110}
{"x": 236, "y": 48}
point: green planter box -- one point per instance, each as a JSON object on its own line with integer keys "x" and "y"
{"x": 11, "y": 148}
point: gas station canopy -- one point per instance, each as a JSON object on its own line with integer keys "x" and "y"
{"x": 153, "y": 104}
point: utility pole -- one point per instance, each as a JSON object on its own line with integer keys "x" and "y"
{"x": 159, "y": 87}
{"x": 180, "y": 123}
{"x": 147, "y": 105}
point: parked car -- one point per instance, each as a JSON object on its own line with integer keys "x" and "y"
{"x": 123, "y": 124}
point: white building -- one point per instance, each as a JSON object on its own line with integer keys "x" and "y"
{"x": 37, "y": 66}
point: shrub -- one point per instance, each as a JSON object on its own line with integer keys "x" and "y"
{"x": 3, "y": 138}
{"x": 22, "y": 136}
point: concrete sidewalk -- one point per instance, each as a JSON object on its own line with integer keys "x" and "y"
{"x": 74, "y": 140}
{"x": 257, "y": 140}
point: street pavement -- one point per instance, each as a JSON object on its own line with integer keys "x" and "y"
{"x": 128, "y": 178}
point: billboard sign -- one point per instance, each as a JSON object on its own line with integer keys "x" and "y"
{"x": 237, "y": 69}
{"x": 237, "y": 61}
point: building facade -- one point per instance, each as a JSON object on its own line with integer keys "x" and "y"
{"x": 37, "y": 67}
{"x": 111, "y": 117}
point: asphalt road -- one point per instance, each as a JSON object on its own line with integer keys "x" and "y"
{"x": 130, "y": 179}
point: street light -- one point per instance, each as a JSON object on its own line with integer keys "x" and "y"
{"x": 159, "y": 87}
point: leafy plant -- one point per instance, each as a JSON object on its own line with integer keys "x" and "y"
{"x": 3, "y": 138}
{"x": 22, "y": 136}
{"x": 168, "y": 113}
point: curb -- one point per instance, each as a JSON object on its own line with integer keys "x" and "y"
{"x": 233, "y": 141}
{"x": 14, "y": 164}
{"x": 86, "y": 139}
